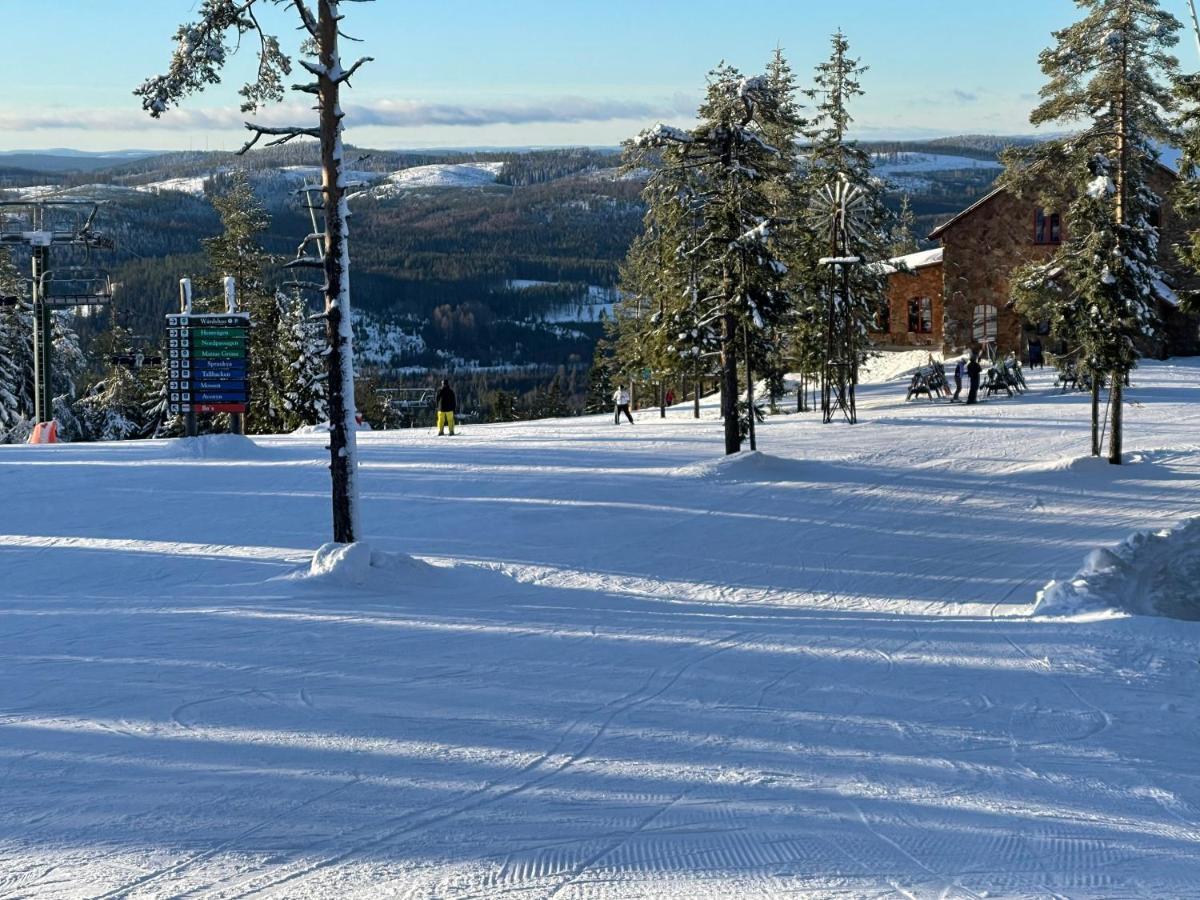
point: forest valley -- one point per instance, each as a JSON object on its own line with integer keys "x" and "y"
{"x": 539, "y": 280}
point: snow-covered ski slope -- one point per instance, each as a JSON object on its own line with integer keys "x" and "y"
{"x": 619, "y": 667}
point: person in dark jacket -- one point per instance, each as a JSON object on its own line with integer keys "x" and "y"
{"x": 974, "y": 369}
{"x": 447, "y": 405}
{"x": 1036, "y": 357}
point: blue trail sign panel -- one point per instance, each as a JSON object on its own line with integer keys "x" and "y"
{"x": 207, "y": 364}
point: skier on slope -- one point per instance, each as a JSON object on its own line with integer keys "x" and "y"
{"x": 960, "y": 370}
{"x": 447, "y": 405}
{"x": 621, "y": 399}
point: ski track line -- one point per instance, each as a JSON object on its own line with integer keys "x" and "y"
{"x": 573, "y": 876}
{"x": 622, "y": 705}
{"x": 181, "y": 867}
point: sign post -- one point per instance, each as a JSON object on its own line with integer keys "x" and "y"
{"x": 207, "y": 362}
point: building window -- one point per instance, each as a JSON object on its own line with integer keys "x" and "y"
{"x": 1155, "y": 217}
{"x": 920, "y": 315}
{"x": 1047, "y": 228}
{"x": 882, "y": 323}
{"x": 984, "y": 325}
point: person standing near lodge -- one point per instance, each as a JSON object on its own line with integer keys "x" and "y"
{"x": 1036, "y": 359}
{"x": 447, "y": 405}
{"x": 960, "y": 369}
{"x": 974, "y": 369}
{"x": 621, "y": 399}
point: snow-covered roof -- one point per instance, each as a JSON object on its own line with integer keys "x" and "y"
{"x": 914, "y": 261}
{"x": 1165, "y": 293}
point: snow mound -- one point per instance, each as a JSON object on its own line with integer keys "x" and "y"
{"x": 1152, "y": 573}
{"x": 749, "y": 465}
{"x": 1100, "y": 468}
{"x": 357, "y": 565}
{"x": 218, "y": 446}
{"x": 325, "y": 428}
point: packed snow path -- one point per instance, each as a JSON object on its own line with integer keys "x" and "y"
{"x": 623, "y": 668}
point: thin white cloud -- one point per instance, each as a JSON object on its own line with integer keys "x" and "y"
{"x": 384, "y": 113}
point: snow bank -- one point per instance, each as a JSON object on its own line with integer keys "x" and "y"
{"x": 324, "y": 428}
{"x": 217, "y": 446}
{"x": 749, "y": 465}
{"x": 357, "y": 565}
{"x": 1148, "y": 463}
{"x": 893, "y": 366}
{"x": 1152, "y": 573}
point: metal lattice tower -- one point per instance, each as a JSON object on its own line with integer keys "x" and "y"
{"x": 41, "y": 226}
{"x": 840, "y": 208}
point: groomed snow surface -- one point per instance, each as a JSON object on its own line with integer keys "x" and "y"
{"x": 582, "y": 661}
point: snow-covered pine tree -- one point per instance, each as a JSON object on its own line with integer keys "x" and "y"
{"x": 902, "y": 239}
{"x": 787, "y": 191}
{"x": 200, "y": 55}
{"x": 69, "y": 360}
{"x": 725, "y": 163}
{"x": 832, "y": 158}
{"x": 1187, "y": 192}
{"x": 113, "y": 409}
{"x": 647, "y": 276}
{"x": 16, "y": 364}
{"x": 16, "y": 354}
{"x": 1113, "y": 71}
{"x": 157, "y": 421}
{"x": 302, "y": 348}
{"x": 238, "y": 252}
{"x": 600, "y": 380}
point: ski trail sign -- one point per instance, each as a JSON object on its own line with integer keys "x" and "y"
{"x": 207, "y": 363}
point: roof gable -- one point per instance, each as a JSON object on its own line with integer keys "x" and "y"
{"x": 996, "y": 192}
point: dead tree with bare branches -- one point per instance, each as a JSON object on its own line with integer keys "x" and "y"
{"x": 200, "y": 54}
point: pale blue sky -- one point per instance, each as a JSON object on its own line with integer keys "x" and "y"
{"x": 536, "y": 72}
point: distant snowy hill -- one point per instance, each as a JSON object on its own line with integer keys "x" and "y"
{"x": 912, "y": 171}
{"x": 442, "y": 175}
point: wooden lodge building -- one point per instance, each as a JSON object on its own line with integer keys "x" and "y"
{"x": 957, "y": 296}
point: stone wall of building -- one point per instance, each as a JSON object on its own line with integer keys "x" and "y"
{"x": 903, "y": 287}
{"x": 988, "y": 243}
{"x": 980, "y": 252}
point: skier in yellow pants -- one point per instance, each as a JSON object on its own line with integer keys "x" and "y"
{"x": 446, "y": 406}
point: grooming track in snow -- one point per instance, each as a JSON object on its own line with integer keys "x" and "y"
{"x": 587, "y": 662}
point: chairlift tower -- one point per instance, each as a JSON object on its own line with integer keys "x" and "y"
{"x": 43, "y": 226}
{"x": 840, "y": 208}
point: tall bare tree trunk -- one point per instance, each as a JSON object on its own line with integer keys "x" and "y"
{"x": 729, "y": 383}
{"x": 749, "y": 389}
{"x": 1122, "y": 205}
{"x": 1116, "y": 398}
{"x": 343, "y": 462}
{"x": 1095, "y": 413}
